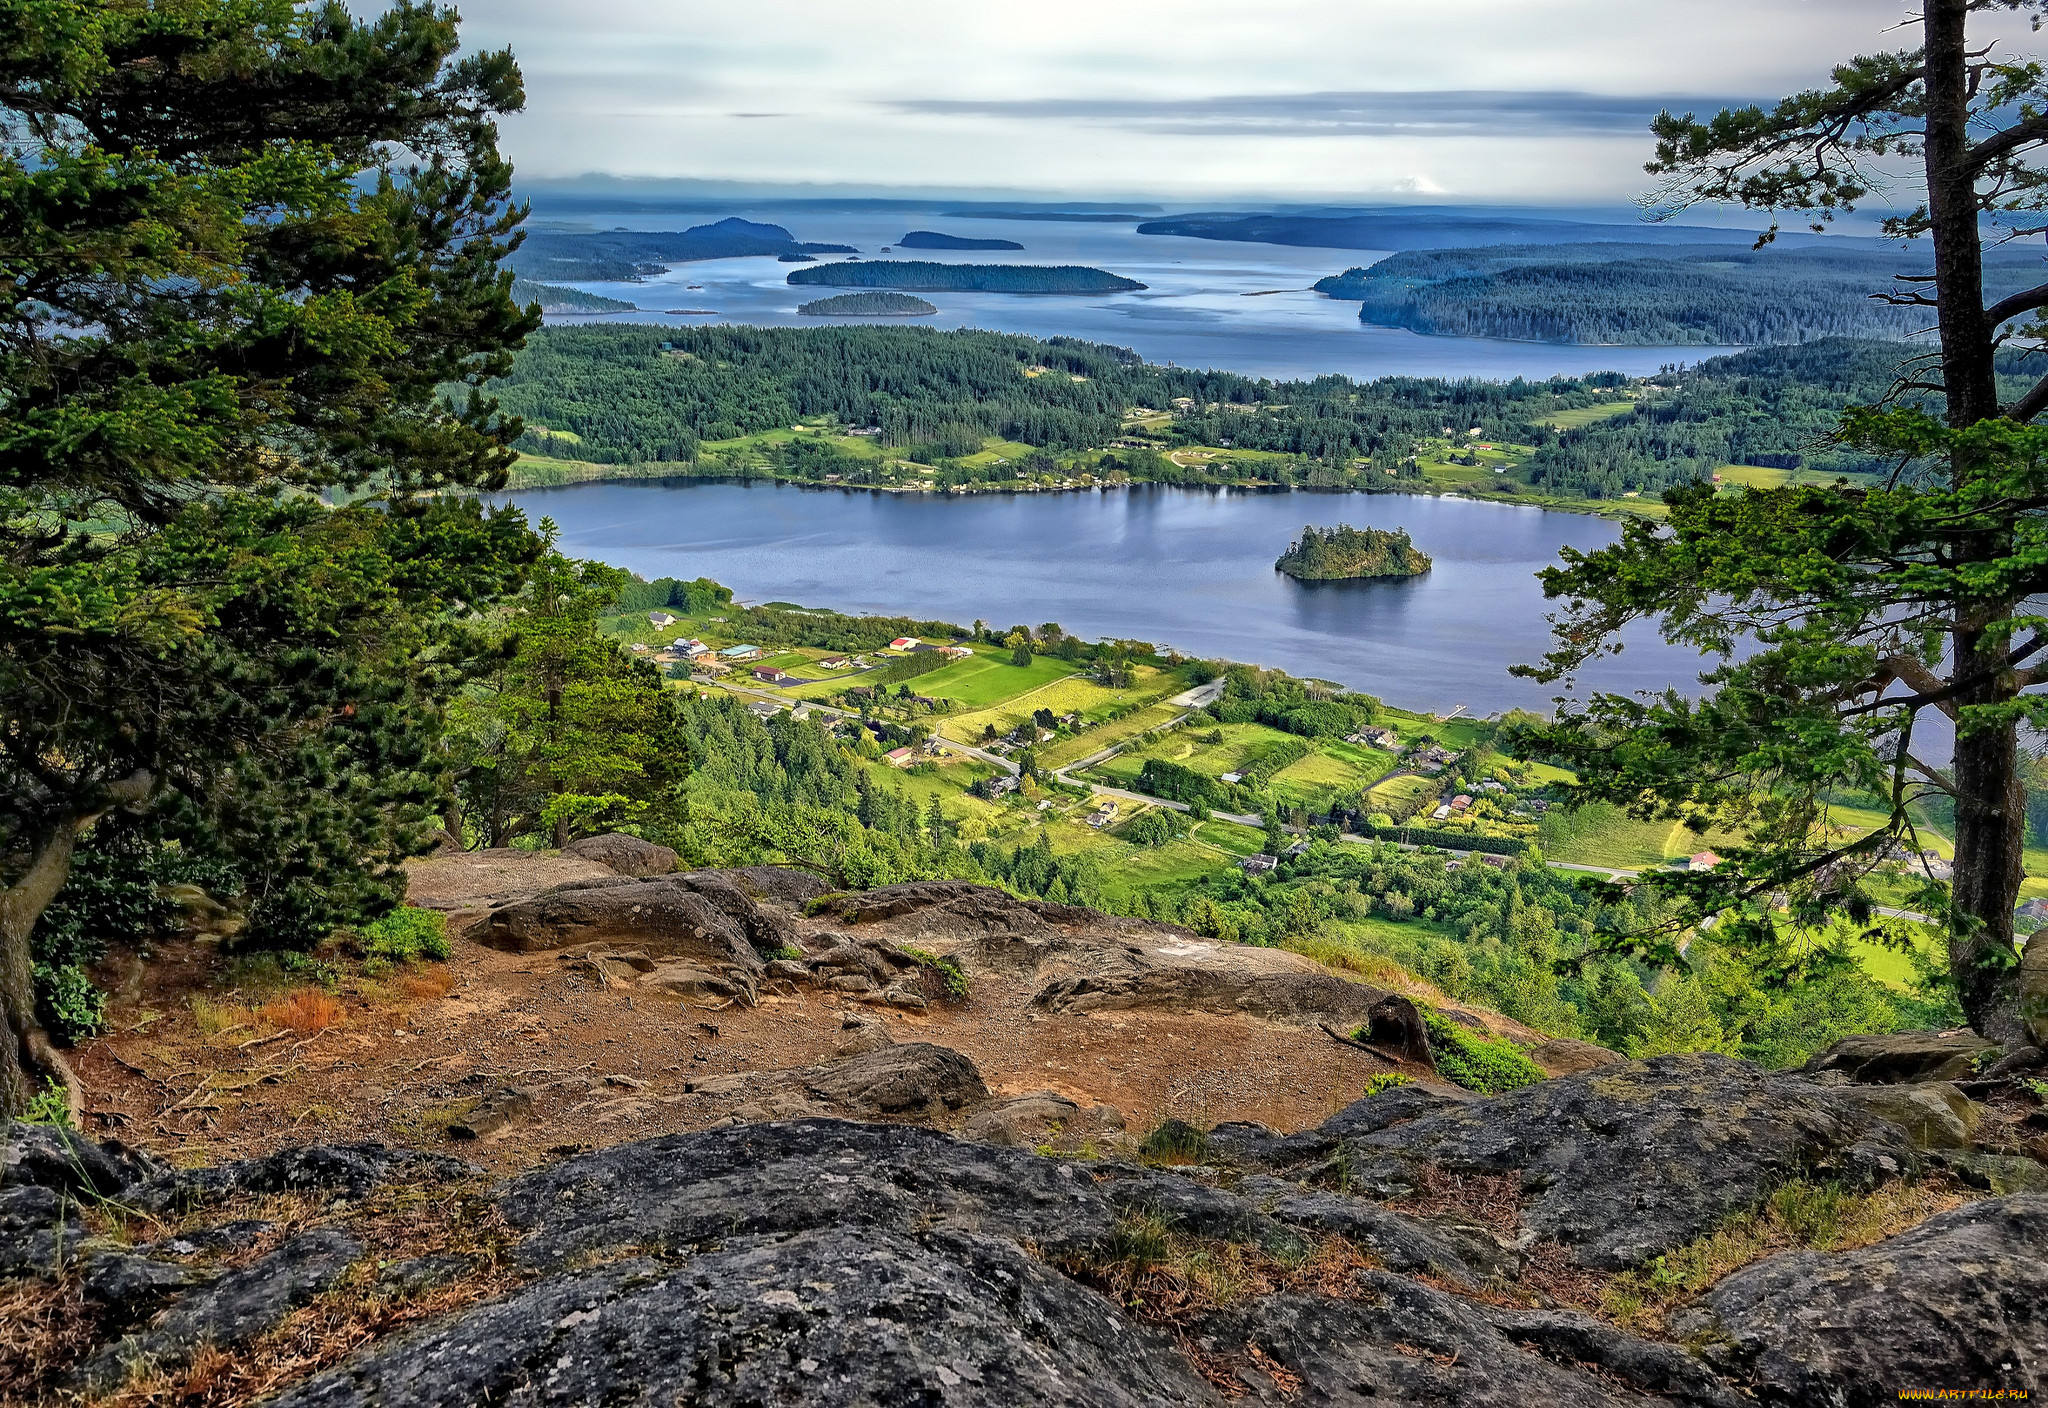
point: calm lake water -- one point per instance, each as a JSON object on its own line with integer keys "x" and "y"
{"x": 1208, "y": 303}
{"x": 1190, "y": 568}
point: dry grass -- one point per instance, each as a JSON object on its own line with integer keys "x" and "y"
{"x": 1166, "y": 1278}
{"x": 1821, "y": 1216}
{"x": 220, "y": 1020}
{"x": 1341, "y": 956}
{"x": 428, "y": 984}
{"x": 1493, "y": 1200}
{"x": 304, "y": 1011}
{"x": 44, "y": 1330}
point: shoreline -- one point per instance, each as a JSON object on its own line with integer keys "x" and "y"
{"x": 665, "y": 471}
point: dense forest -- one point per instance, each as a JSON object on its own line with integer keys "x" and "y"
{"x": 628, "y": 256}
{"x": 923, "y": 276}
{"x": 1343, "y": 553}
{"x": 1653, "y": 294}
{"x": 879, "y": 304}
{"x": 932, "y": 239}
{"x": 639, "y": 394}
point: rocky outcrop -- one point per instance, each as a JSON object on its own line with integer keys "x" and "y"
{"x": 1045, "y": 1119}
{"x": 700, "y": 919}
{"x": 1895, "y": 1058}
{"x": 1622, "y": 1163}
{"x": 819, "y": 1261}
{"x": 1959, "y": 1302}
{"x": 623, "y": 854}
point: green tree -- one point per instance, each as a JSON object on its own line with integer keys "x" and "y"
{"x": 1019, "y": 646}
{"x": 243, "y": 245}
{"x": 1856, "y": 627}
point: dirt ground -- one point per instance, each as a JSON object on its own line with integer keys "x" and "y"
{"x": 607, "y": 1066}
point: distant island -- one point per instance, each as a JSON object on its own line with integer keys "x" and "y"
{"x": 566, "y": 300}
{"x": 932, "y": 239}
{"x": 1345, "y": 553}
{"x": 922, "y": 276}
{"x": 629, "y": 256}
{"x": 868, "y": 305}
{"x": 797, "y": 258}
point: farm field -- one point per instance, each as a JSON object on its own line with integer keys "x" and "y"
{"x": 990, "y": 679}
{"x": 1063, "y": 692}
{"x": 1333, "y": 768}
{"x": 1575, "y": 417}
{"x": 1071, "y": 750}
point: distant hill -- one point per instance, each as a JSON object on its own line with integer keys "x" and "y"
{"x": 922, "y": 276}
{"x": 1653, "y": 295}
{"x": 868, "y": 305}
{"x": 1086, "y": 217}
{"x": 1425, "y": 229}
{"x": 566, "y": 300}
{"x": 628, "y": 256}
{"x": 932, "y": 239}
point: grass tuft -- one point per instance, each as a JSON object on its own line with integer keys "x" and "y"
{"x": 304, "y": 1011}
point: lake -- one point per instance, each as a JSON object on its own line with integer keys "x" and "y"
{"x": 1189, "y": 568}
{"x": 1208, "y": 303}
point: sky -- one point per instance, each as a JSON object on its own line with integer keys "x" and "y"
{"x": 1527, "y": 101}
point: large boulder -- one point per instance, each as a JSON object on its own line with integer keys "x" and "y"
{"x": 623, "y": 854}
{"x": 1894, "y": 1058}
{"x": 1626, "y": 1162}
{"x": 1959, "y": 1302}
{"x": 698, "y": 916}
{"x": 910, "y": 1078}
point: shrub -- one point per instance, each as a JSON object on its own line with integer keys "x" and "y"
{"x": 1479, "y": 1063}
{"x": 1175, "y": 1142}
{"x": 407, "y": 935}
{"x": 50, "y": 1105}
{"x": 71, "y": 1006}
{"x": 1385, "y": 1081}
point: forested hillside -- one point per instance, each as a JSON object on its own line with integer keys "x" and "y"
{"x": 1653, "y": 294}
{"x": 632, "y": 394}
{"x": 565, "y": 300}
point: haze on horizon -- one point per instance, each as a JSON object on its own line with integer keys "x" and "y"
{"x": 1526, "y": 101}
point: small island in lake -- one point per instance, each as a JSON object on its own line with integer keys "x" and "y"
{"x": 868, "y": 305}
{"x": 1345, "y": 553}
{"x": 923, "y": 276}
{"x": 932, "y": 239}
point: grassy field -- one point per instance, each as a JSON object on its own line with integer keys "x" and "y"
{"x": 1576, "y": 416}
{"x": 1067, "y": 693}
{"x": 990, "y": 679}
{"x": 1094, "y": 740}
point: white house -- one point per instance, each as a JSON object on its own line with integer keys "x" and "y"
{"x": 903, "y": 643}
{"x": 658, "y": 619}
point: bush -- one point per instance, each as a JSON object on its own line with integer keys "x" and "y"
{"x": 1175, "y": 1142}
{"x": 407, "y": 935}
{"x": 1155, "y": 828}
{"x": 1479, "y": 1063}
{"x": 71, "y": 1007}
{"x": 1385, "y": 1081}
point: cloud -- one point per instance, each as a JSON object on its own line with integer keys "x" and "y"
{"x": 1444, "y": 113}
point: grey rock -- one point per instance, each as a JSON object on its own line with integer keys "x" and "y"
{"x": 233, "y": 1310}
{"x": 787, "y": 969}
{"x": 908, "y": 1078}
{"x": 690, "y": 1190}
{"x": 32, "y": 1205}
{"x": 1400, "y": 1343}
{"x": 1898, "y": 1057}
{"x": 909, "y": 999}
{"x": 128, "y": 1284}
{"x": 349, "y": 1171}
{"x": 1628, "y": 1162}
{"x": 41, "y": 1252}
{"x": 422, "y": 1273}
{"x": 219, "y": 1239}
{"x": 1448, "y": 1247}
{"x": 713, "y": 987}
{"x": 670, "y": 916}
{"x": 1959, "y": 1302}
{"x": 1931, "y": 1114}
{"x": 1195, "y": 1209}
{"x": 628, "y": 855}
{"x": 48, "y": 1156}
{"x": 1661, "y": 1369}
{"x": 860, "y": 1033}
{"x": 833, "y": 1317}
{"x": 493, "y": 1111}
{"x": 777, "y": 884}
{"x": 1568, "y": 1056}
{"x": 1043, "y": 1117}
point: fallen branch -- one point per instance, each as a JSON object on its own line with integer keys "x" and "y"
{"x": 1367, "y": 1047}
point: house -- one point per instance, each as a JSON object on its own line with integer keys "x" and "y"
{"x": 1001, "y": 786}
{"x": 1384, "y": 739}
{"x": 1460, "y": 802}
{"x": 692, "y": 646}
{"x": 770, "y": 675}
{"x": 837, "y": 662}
{"x": 956, "y": 652}
{"x": 734, "y": 654}
{"x": 1705, "y": 860}
{"x": 762, "y": 709}
{"x": 1257, "y": 865}
{"x": 1232, "y": 777}
{"x": 903, "y": 643}
{"x": 1497, "y": 862}
{"x": 900, "y": 757}
{"x": 2033, "y": 909}
{"x": 1100, "y": 819}
{"x": 660, "y": 619}
{"x": 637, "y": 648}
{"x": 1936, "y": 867}
{"x": 1491, "y": 786}
{"x": 1299, "y": 848}
{"x": 1442, "y": 813}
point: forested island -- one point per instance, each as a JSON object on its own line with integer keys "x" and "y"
{"x": 923, "y": 276}
{"x": 692, "y": 400}
{"x": 1653, "y": 294}
{"x": 553, "y": 299}
{"x": 868, "y": 305}
{"x": 932, "y": 239}
{"x": 1423, "y": 227}
{"x": 629, "y": 256}
{"x": 1344, "y": 553}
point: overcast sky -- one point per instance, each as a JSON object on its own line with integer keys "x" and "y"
{"x": 1520, "y": 100}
